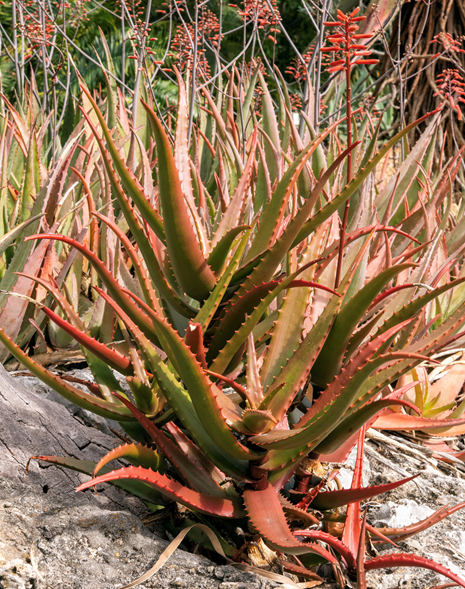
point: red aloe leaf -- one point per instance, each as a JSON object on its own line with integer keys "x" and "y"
{"x": 175, "y": 491}
{"x": 234, "y": 212}
{"x": 113, "y": 358}
{"x": 194, "y": 339}
{"x": 299, "y": 570}
{"x": 101, "y": 407}
{"x": 402, "y": 560}
{"x": 331, "y": 356}
{"x": 351, "y": 533}
{"x": 196, "y": 456}
{"x": 267, "y": 517}
{"x": 189, "y": 264}
{"x": 330, "y": 407}
{"x": 181, "y": 156}
{"x": 274, "y": 211}
{"x": 112, "y": 285}
{"x": 361, "y": 578}
{"x": 135, "y": 488}
{"x": 400, "y": 534}
{"x": 332, "y": 541}
{"x": 195, "y": 468}
{"x": 388, "y": 293}
{"x": 245, "y": 305}
{"x": 334, "y": 499}
{"x": 134, "y": 453}
{"x": 130, "y": 182}
{"x": 156, "y": 273}
{"x": 294, "y": 510}
{"x": 240, "y": 390}
{"x": 400, "y": 421}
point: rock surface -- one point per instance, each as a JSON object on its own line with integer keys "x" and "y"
{"x": 70, "y": 543}
{"x": 437, "y": 485}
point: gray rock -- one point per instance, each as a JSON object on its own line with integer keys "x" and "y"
{"x": 32, "y": 425}
{"x": 71, "y": 543}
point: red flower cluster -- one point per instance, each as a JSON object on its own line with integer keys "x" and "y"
{"x": 449, "y": 44}
{"x": 38, "y": 36}
{"x": 346, "y": 42}
{"x": 208, "y": 29}
{"x": 451, "y": 86}
{"x": 260, "y": 12}
{"x": 297, "y": 69}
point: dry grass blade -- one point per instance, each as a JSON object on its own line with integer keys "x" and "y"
{"x": 170, "y": 549}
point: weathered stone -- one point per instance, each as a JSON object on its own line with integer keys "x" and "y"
{"x": 71, "y": 543}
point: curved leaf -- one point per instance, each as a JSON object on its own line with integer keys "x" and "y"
{"x": 171, "y": 489}
{"x": 189, "y": 265}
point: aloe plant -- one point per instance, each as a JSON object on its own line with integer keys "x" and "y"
{"x": 243, "y": 363}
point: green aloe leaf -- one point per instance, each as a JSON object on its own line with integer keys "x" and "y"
{"x": 331, "y": 356}
{"x": 128, "y": 180}
{"x": 189, "y": 264}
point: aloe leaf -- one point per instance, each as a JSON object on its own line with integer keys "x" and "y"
{"x": 128, "y": 180}
{"x": 243, "y": 316}
{"x": 405, "y": 560}
{"x": 268, "y": 264}
{"x": 334, "y": 499}
{"x": 330, "y": 358}
{"x": 31, "y": 181}
{"x": 9, "y": 238}
{"x": 294, "y": 374}
{"x": 175, "y": 491}
{"x": 407, "y": 170}
{"x": 235, "y": 209}
{"x": 145, "y": 246}
{"x": 136, "y": 488}
{"x": 288, "y": 329}
{"x": 219, "y": 255}
{"x": 189, "y": 265}
{"x": 355, "y": 183}
{"x": 327, "y": 411}
{"x": 165, "y": 290}
{"x": 274, "y": 211}
{"x": 136, "y": 454}
{"x": 267, "y": 517}
{"x": 112, "y": 94}
{"x": 182, "y": 160}
{"x": 401, "y": 421}
{"x": 100, "y": 368}
{"x": 101, "y": 407}
{"x": 206, "y": 398}
{"x": 211, "y": 305}
{"x": 111, "y": 357}
{"x": 355, "y": 421}
{"x": 270, "y": 126}
{"x": 107, "y": 278}
{"x": 186, "y": 462}
{"x": 415, "y": 306}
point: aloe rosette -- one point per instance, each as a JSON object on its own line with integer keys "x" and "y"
{"x": 243, "y": 363}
